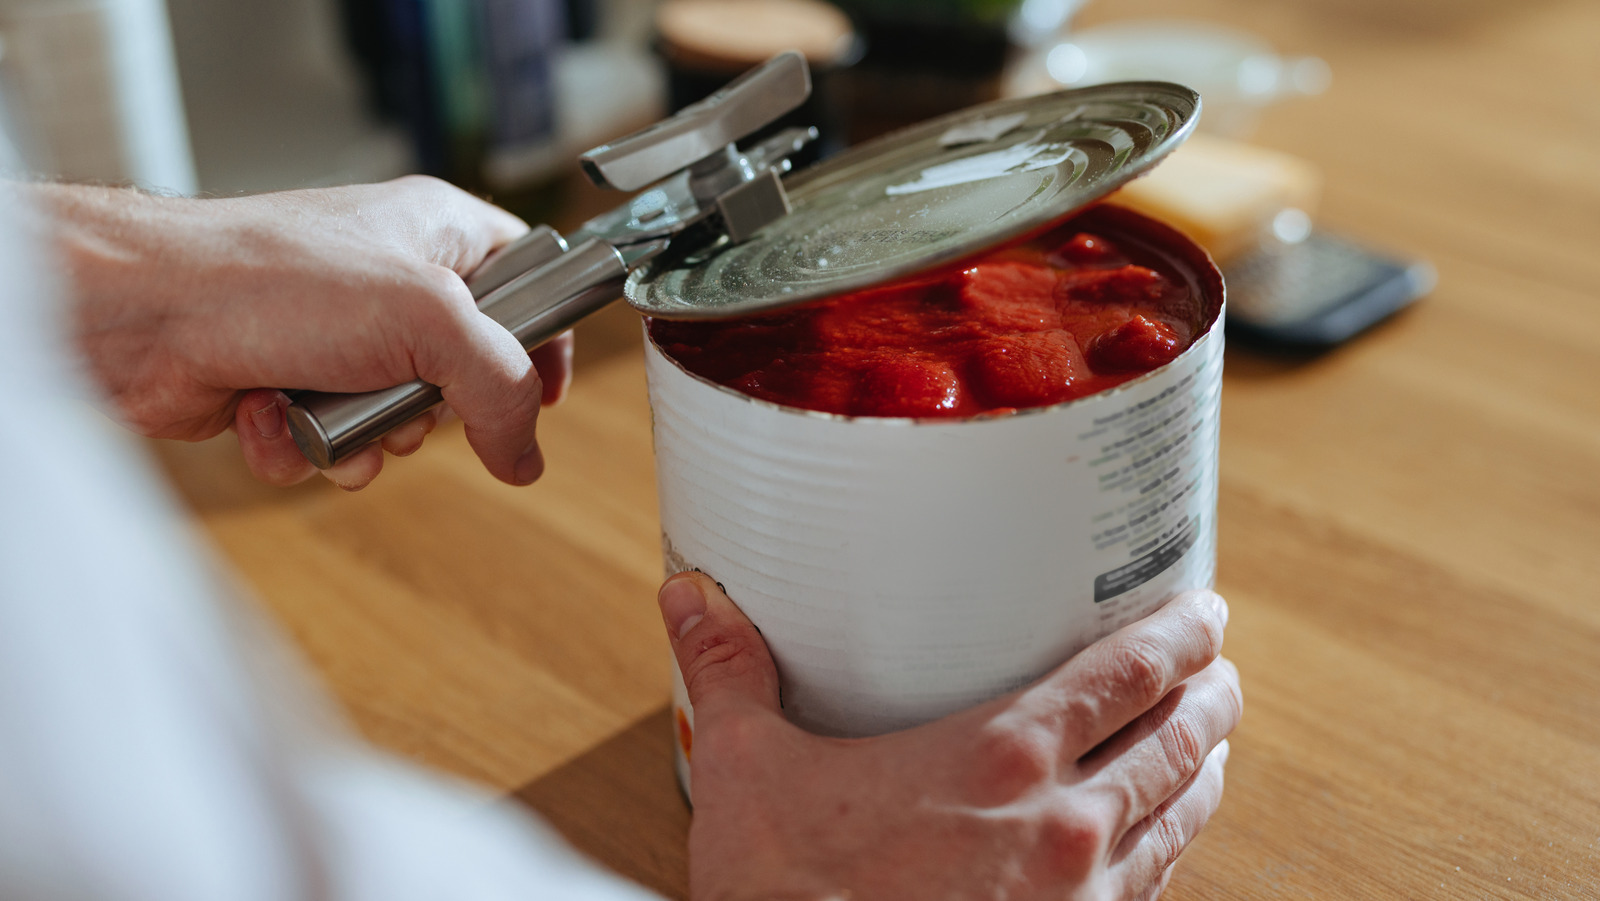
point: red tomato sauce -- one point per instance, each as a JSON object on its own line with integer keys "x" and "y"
{"x": 1076, "y": 310}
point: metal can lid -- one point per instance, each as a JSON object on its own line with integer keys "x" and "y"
{"x": 924, "y": 196}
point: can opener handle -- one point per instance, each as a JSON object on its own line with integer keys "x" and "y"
{"x": 537, "y": 288}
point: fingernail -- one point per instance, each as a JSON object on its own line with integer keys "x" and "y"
{"x": 1221, "y": 606}
{"x": 530, "y": 466}
{"x": 682, "y": 605}
{"x": 268, "y": 420}
{"x": 336, "y": 476}
{"x": 1222, "y": 751}
{"x": 410, "y": 436}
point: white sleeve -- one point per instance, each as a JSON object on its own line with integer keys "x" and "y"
{"x": 156, "y": 742}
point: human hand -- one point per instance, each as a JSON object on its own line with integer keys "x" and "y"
{"x": 1087, "y": 784}
{"x": 192, "y": 313}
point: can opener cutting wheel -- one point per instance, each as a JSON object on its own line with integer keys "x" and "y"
{"x": 542, "y": 284}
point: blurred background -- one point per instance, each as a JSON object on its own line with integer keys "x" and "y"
{"x": 499, "y": 96}
{"x": 1408, "y": 520}
{"x": 225, "y": 96}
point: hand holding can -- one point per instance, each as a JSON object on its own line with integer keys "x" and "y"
{"x": 1088, "y": 783}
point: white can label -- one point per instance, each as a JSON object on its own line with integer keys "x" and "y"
{"x": 900, "y": 571}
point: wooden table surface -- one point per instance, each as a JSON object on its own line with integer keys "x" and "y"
{"x": 1410, "y": 526}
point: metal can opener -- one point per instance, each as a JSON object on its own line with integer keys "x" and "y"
{"x": 543, "y": 283}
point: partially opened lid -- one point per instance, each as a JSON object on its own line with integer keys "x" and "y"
{"x": 925, "y": 195}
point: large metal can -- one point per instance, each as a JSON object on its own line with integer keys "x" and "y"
{"x": 903, "y": 569}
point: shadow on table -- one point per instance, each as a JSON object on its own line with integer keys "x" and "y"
{"x": 619, "y": 804}
{"x": 1244, "y": 361}
{"x": 1249, "y": 355}
{"x": 611, "y": 331}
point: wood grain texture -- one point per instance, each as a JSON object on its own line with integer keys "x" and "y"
{"x": 1410, "y": 526}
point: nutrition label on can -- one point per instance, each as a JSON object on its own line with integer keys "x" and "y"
{"x": 1147, "y": 470}
{"x": 1130, "y": 576}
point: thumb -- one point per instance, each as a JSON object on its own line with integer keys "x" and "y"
{"x": 725, "y": 663}
{"x": 268, "y": 448}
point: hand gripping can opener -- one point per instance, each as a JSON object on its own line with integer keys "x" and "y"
{"x": 542, "y": 284}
